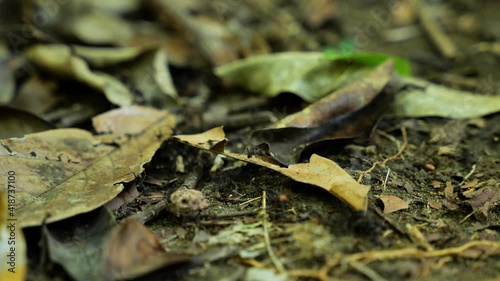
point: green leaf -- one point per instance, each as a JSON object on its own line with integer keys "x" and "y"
{"x": 309, "y": 75}
{"x": 401, "y": 66}
{"x": 422, "y": 98}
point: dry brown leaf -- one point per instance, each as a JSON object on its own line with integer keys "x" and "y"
{"x": 436, "y": 184}
{"x": 393, "y": 203}
{"x": 484, "y": 199}
{"x": 65, "y": 172}
{"x": 36, "y": 95}
{"x": 126, "y": 120}
{"x": 347, "y": 112}
{"x": 132, "y": 250}
{"x": 435, "y": 204}
{"x": 320, "y": 171}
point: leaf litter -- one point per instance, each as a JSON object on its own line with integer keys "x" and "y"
{"x": 70, "y": 171}
{"x": 122, "y": 44}
{"x": 319, "y": 171}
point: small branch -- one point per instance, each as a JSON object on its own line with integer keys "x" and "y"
{"x": 277, "y": 263}
{"x": 368, "y": 272}
{"x": 151, "y": 212}
{"x": 435, "y": 32}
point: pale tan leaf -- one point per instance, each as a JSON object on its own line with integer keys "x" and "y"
{"x": 393, "y": 203}
{"x": 126, "y": 120}
{"x": 320, "y": 171}
{"x": 65, "y": 172}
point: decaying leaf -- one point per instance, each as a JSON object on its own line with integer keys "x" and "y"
{"x": 393, "y": 203}
{"x": 212, "y": 38}
{"x": 70, "y": 171}
{"x": 76, "y": 243}
{"x": 421, "y": 98}
{"x": 150, "y": 75}
{"x": 484, "y": 199}
{"x": 36, "y": 95}
{"x": 320, "y": 171}
{"x": 12, "y": 244}
{"x": 348, "y": 112}
{"x": 132, "y": 251}
{"x": 59, "y": 60}
{"x": 99, "y": 28}
{"x": 17, "y": 123}
{"x": 126, "y": 120}
{"x": 309, "y": 75}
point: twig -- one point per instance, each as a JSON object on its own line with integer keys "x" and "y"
{"x": 234, "y": 214}
{"x": 368, "y": 272}
{"x": 354, "y": 260}
{"x": 249, "y": 201}
{"x": 401, "y": 149}
{"x": 277, "y": 263}
{"x": 468, "y": 216}
{"x": 469, "y": 174}
{"x": 151, "y": 212}
{"x": 386, "y": 179}
{"x": 435, "y": 32}
{"x": 417, "y": 237}
{"x": 321, "y": 274}
{"x": 493, "y": 247}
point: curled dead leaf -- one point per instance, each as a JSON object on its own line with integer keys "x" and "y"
{"x": 393, "y": 203}
{"x": 347, "y": 112}
{"x": 132, "y": 251}
{"x": 320, "y": 171}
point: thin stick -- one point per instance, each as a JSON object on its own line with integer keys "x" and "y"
{"x": 493, "y": 247}
{"x": 442, "y": 41}
{"x": 386, "y": 179}
{"x": 277, "y": 263}
{"x": 151, "y": 212}
{"x": 368, "y": 272}
{"x": 469, "y": 174}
